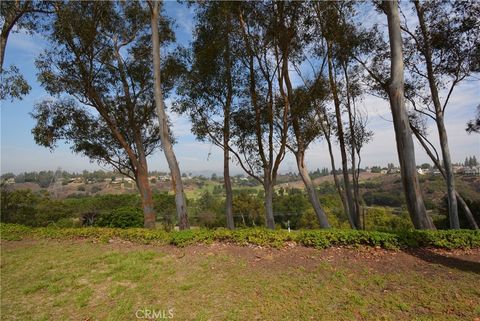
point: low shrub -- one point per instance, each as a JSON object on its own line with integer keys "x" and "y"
{"x": 121, "y": 217}
{"x": 449, "y": 239}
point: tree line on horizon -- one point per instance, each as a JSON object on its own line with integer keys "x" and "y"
{"x": 258, "y": 80}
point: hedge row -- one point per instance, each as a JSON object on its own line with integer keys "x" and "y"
{"x": 449, "y": 239}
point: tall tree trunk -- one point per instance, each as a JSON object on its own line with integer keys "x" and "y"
{"x": 439, "y": 119}
{"x": 353, "y": 142}
{"x": 180, "y": 200}
{"x": 336, "y": 179}
{"x": 228, "y": 189}
{"x": 341, "y": 140}
{"x": 461, "y": 202}
{"x": 268, "y": 187}
{"x": 226, "y": 140}
{"x": 449, "y": 178}
{"x": 146, "y": 195}
{"x": 312, "y": 193}
{"x": 403, "y": 135}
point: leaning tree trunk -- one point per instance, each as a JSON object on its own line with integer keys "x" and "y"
{"x": 180, "y": 200}
{"x": 403, "y": 135}
{"x": 146, "y": 195}
{"x": 312, "y": 193}
{"x": 439, "y": 119}
{"x": 449, "y": 178}
{"x": 461, "y": 202}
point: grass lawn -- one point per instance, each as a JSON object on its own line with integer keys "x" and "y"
{"x": 81, "y": 280}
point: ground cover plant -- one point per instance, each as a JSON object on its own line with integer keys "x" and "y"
{"x": 449, "y": 239}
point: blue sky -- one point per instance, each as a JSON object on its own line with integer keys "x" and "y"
{"x": 20, "y": 153}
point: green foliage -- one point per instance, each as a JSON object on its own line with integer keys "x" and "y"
{"x": 473, "y": 205}
{"x": 324, "y": 239}
{"x": 384, "y": 199}
{"x": 13, "y": 85}
{"x": 249, "y": 208}
{"x": 164, "y": 206}
{"x": 18, "y": 206}
{"x": 122, "y": 217}
{"x": 450, "y": 239}
{"x": 384, "y": 219}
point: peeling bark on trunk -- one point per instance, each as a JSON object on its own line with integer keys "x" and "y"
{"x": 147, "y": 200}
{"x": 180, "y": 202}
{"x": 403, "y": 135}
{"x": 312, "y": 193}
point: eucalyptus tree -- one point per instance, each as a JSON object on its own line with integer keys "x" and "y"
{"x": 18, "y": 16}
{"x": 419, "y": 129}
{"x": 157, "y": 35}
{"x": 306, "y": 127}
{"x": 327, "y": 126}
{"x": 260, "y": 125}
{"x": 401, "y": 123}
{"x": 97, "y": 68}
{"x": 385, "y": 68}
{"x": 211, "y": 86}
{"x": 335, "y": 44}
{"x": 291, "y": 25}
{"x": 441, "y": 52}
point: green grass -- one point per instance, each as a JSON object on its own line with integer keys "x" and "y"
{"x": 79, "y": 280}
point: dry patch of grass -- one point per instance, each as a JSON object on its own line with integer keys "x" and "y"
{"x": 80, "y": 280}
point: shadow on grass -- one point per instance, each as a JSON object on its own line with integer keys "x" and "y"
{"x": 451, "y": 262}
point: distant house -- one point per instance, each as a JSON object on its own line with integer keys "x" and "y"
{"x": 384, "y": 171}
{"x": 394, "y": 170}
{"x": 472, "y": 171}
{"x": 422, "y": 171}
{"x": 164, "y": 178}
{"x": 10, "y": 181}
{"x": 458, "y": 169}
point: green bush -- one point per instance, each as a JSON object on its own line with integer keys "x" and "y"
{"x": 384, "y": 199}
{"x": 384, "y": 219}
{"x": 449, "y": 239}
{"x": 121, "y": 217}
